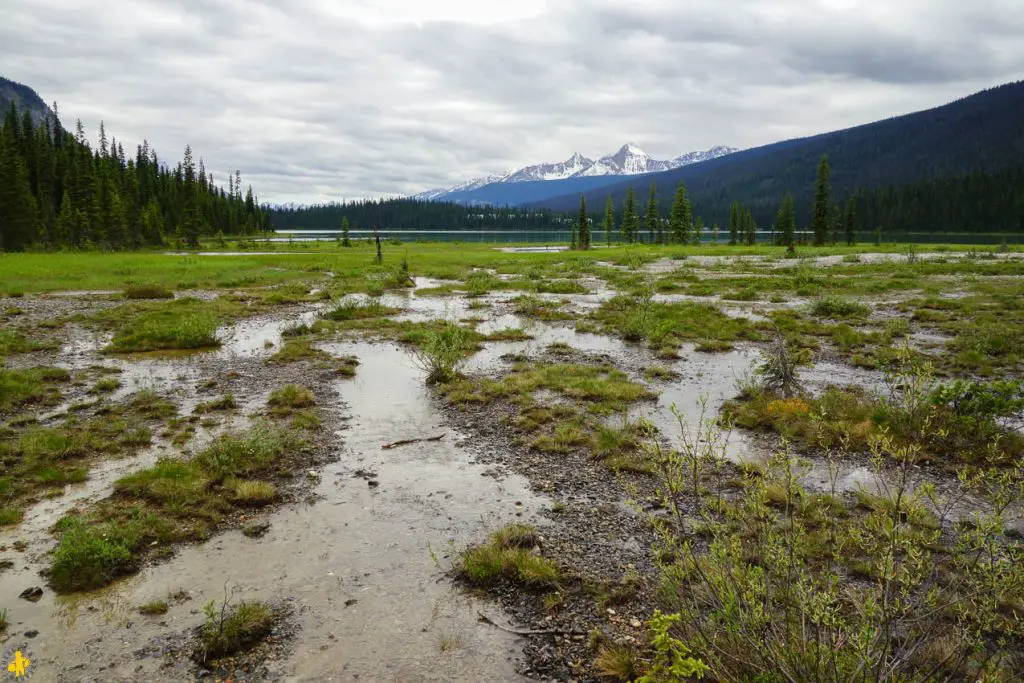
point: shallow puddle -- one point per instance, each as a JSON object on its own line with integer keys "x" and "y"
{"x": 356, "y": 566}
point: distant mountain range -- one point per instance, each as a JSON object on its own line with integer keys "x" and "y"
{"x": 629, "y": 160}
{"x": 23, "y": 98}
{"x": 915, "y": 165}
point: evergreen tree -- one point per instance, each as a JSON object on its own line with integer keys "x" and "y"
{"x": 714, "y": 234}
{"x": 787, "y": 221}
{"x": 750, "y": 228}
{"x": 835, "y": 223}
{"x": 191, "y": 222}
{"x": 820, "y": 215}
{"x": 572, "y": 235}
{"x": 345, "y": 241}
{"x": 609, "y": 220}
{"x": 18, "y": 211}
{"x": 66, "y": 222}
{"x": 698, "y": 231}
{"x": 850, "y": 222}
{"x": 584, "y": 223}
{"x": 630, "y": 220}
{"x": 654, "y": 229}
{"x": 734, "y": 224}
{"x": 680, "y": 218}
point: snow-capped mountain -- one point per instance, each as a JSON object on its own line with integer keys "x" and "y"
{"x": 628, "y": 160}
{"x": 572, "y": 166}
{"x": 430, "y": 195}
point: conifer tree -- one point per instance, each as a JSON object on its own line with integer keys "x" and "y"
{"x": 609, "y": 220}
{"x": 630, "y": 221}
{"x": 584, "y": 224}
{"x": 850, "y": 222}
{"x": 714, "y": 234}
{"x": 734, "y": 224}
{"x": 750, "y": 228}
{"x": 680, "y": 218}
{"x": 820, "y": 213}
{"x": 18, "y": 211}
{"x": 787, "y": 221}
{"x": 835, "y": 223}
{"x": 66, "y": 227}
{"x": 698, "y": 231}
{"x": 654, "y": 229}
{"x": 345, "y": 241}
{"x": 190, "y": 223}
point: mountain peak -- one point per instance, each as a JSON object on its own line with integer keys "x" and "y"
{"x": 630, "y": 159}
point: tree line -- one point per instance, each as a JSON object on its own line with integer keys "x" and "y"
{"x": 413, "y": 214}
{"x": 56, "y": 191}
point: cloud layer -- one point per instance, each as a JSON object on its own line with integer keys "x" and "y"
{"x": 323, "y": 100}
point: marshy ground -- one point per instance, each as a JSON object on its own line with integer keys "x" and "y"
{"x": 193, "y": 465}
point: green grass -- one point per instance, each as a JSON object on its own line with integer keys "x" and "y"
{"x": 836, "y": 308}
{"x": 175, "y": 500}
{"x": 224, "y": 403}
{"x": 13, "y": 341}
{"x": 175, "y": 325}
{"x": 234, "y": 631}
{"x": 105, "y": 386}
{"x": 153, "y": 608}
{"x": 667, "y": 325}
{"x": 295, "y": 350}
{"x": 359, "y": 310}
{"x": 602, "y": 388}
{"x": 32, "y": 386}
{"x": 508, "y": 556}
{"x": 290, "y": 397}
{"x": 147, "y": 291}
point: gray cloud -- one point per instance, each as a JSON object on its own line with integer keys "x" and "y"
{"x": 318, "y": 100}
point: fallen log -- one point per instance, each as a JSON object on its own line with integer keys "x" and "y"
{"x": 406, "y": 442}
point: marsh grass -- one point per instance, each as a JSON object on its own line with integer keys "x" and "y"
{"x": 147, "y": 291}
{"x": 222, "y": 404}
{"x": 13, "y": 341}
{"x": 153, "y": 608}
{"x": 295, "y": 350}
{"x": 354, "y": 309}
{"x": 105, "y": 386}
{"x": 175, "y": 500}
{"x": 837, "y": 308}
{"x": 442, "y": 352}
{"x": 31, "y": 386}
{"x": 230, "y": 630}
{"x": 667, "y": 325}
{"x": 289, "y": 397}
{"x": 507, "y": 556}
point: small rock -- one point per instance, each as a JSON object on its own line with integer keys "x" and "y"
{"x": 635, "y": 623}
{"x": 31, "y": 633}
{"x": 350, "y": 602}
{"x": 32, "y": 594}
{"x": 611, "y": 611}
{"x": 373, "y": 483}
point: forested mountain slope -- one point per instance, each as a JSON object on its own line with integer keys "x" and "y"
{"x": 966, "y": 156}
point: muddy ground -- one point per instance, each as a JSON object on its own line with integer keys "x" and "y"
{"x": 359, "y": 552}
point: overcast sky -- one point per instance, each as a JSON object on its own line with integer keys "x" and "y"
{"x": 330, "y": 99}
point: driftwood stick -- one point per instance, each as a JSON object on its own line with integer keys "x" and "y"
{"x": 518, "y": 632}
{"x": 406, "y": 442}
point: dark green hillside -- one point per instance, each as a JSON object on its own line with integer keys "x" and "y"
{"x": 966, "y": 155}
